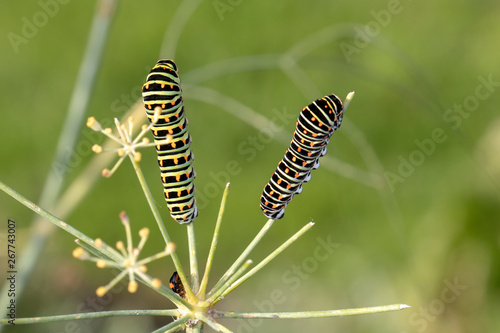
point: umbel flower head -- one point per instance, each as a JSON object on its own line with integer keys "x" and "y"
{"x": 128, "y": 146}
{"x": 128, "y": 259}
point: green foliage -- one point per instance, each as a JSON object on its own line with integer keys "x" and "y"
{"x": 439, "y": 223}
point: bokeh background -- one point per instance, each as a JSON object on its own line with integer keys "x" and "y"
{"x": 406, "y": 198}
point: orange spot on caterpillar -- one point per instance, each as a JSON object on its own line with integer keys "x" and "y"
{"x": 178, "y": 177}
{"x": 162, "y": 86}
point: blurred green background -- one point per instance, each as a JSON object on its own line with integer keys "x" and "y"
{"x": 408, "y": 193}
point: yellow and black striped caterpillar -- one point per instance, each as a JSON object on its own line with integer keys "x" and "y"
{"x": 315, "y": 125}
{"x": 162, "y": 91}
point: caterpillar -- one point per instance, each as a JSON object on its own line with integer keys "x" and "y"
{"x": 175, "y": 284}
{"x": 162, "y": 92}
{"x": 314, "y": 127}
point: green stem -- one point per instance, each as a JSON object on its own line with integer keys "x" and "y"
{"x": 177, "y": 24}
{"x": 198, "y": 328}
{"x": 89, "y": 241}
{"x": 89, "y": 315}
{"x": 193, "y": 260}
{"x": 258, "y": 121}
{"x": 216, "y": 297}
{"x": 161, "y": 226}
{"x": 308, "y": 314}
{"x": 212, "y": 323}
{"x": 242, "y": 257}
{"x": 213, "y": 246}
{"x": 173, "y": 326}
{"x": 61, "y": 224}
{"x": 99, "y": 32}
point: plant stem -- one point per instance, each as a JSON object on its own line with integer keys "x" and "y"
{"x": 258, "y": 121}
{"x": 177, "y": 24}
{"x": 61, "y": 224}
{"x": 242, "y": 257}
{"x": 308, "y": 314}
{"x": 212, "y": 323}
{"x": 101, "y": 21}
{"x": 193, "y": 260}
{"x": 213, "y": 246}
{"x": 217, "y": 296}
{"x": 161, "y": 226}
{"x": 89, "y": 315}
{"x": 173, "y": 326}
{"x": 78, "y": 234}
{"x": 198, "y": 328}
